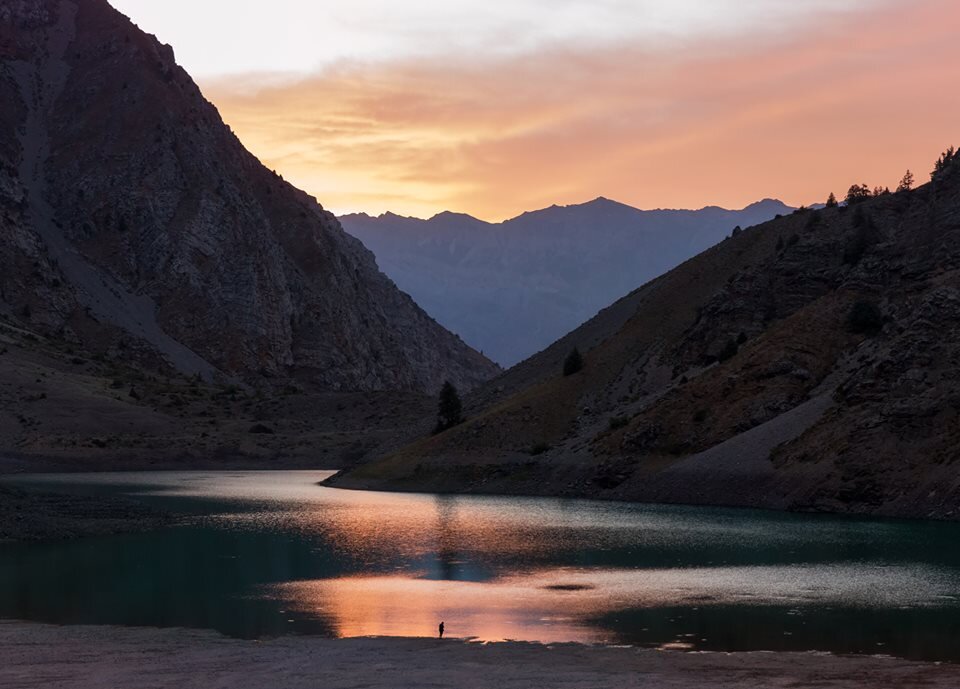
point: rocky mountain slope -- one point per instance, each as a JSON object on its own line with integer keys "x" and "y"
{"x": 62, "y": 409}
{"x": 134, "y": 225}
{"x": 512, "y": 288}
{"x": 811, "y": 362}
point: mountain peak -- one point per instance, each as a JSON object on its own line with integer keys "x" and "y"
{"x": 452, "y": 215}
{"x": 604, "y": 202}
{"x": 768, "y": 203}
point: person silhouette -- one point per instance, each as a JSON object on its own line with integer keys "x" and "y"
{"x": 441, "y": 630}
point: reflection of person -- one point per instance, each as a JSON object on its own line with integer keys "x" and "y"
{"x": 441, "y": 630}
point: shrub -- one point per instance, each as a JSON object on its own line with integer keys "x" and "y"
{"x": 573, "y": 363}
{"x": 855, "y": 249}
{"x": 864, "y": 236}
{"x": 865, "y": 318}
{"x": 729, "y": 350}
{"x": 618, "y": 422}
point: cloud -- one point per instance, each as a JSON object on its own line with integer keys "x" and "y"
{"x": 725, "y": 120}
{"x": 292, "y": 35}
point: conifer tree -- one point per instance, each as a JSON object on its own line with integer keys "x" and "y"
{"x": 943, "y": 162}
{"x": 450, "y": 409}
{"x": 858, "y": 193}
{"x": 906, "y": 184}
{"x": 573, "y": 362}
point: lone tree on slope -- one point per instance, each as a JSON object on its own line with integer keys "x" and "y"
{"x": 832, "y": 201}
{"x": 573, "y": 362}
{"x": 450, "y": 409}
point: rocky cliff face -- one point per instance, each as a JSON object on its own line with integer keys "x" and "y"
{"x": 811, "y": 363}
{"x": 134, "y": 222}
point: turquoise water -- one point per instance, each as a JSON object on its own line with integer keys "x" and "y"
{"x": 271, "y": 553}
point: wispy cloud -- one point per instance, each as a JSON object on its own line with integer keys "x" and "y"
{"x": 727, "y": 119}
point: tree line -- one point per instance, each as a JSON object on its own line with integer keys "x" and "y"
{"x": 858, "y": 193}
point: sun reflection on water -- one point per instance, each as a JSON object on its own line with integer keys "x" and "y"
{"x": 271, "y": 553}
{"x": 561, "y": 604}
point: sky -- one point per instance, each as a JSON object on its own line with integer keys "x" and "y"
{"x": 494, "y": 107}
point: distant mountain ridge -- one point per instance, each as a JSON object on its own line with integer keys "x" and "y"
{"x": 134, "y": 224}
{"x": 512, "y": 288}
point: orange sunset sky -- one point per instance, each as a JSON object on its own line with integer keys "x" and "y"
{"x": 425, "y": 106}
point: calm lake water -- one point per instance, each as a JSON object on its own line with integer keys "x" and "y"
{"x": 264, "y": 554}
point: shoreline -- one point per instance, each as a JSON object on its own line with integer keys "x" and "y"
{"x": 83, "y": 657}
{"x": 20, "y": 465}
{"x": 347, "y": 482}
{"x": 12, "y": 467}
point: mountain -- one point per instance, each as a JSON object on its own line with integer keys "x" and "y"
{"x": 809, "y": 363}
{"x": 512, "y": 288}
{"x": 134, "y": 224}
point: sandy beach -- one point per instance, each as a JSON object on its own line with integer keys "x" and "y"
{"x": 36, "y": 655}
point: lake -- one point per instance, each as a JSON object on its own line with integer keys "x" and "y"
{"x": 263, "y": 554}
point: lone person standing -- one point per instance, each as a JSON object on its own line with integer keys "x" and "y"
{"x": 441, "y": 630}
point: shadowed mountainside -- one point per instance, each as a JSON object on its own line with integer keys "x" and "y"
{"x": 511, "y": 288}
{"x": 134, "y": 225}
{"x": 810, "y": 363}
{"x": 64, "y": 410}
